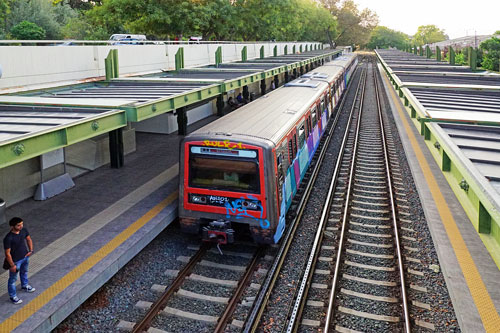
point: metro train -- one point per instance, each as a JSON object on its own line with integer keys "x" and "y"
{"x": 243, "y": 170}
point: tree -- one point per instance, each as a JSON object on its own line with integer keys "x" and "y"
{"x": 491, "y": 53}
{"x": 383, "y": 37}
{"x": 42, "y": 13}
{"x": 27, "y": 30}
{"x": 354, "y": 26}
{"x": 427, "y": 34}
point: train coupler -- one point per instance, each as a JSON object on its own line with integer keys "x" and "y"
{"x": 219, "y": 232}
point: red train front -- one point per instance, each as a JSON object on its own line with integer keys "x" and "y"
{"x": 223, "y": 188}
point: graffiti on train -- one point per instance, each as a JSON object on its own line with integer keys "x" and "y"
{"x": 223, "y": 144}
{"x": 239, "y": 208}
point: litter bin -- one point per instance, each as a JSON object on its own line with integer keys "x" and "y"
{"x": 2, "y": 211}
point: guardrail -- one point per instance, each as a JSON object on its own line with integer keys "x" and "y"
{"x": 70, "y": 42}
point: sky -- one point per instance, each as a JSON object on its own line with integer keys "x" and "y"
{"x": 457, "y": 18}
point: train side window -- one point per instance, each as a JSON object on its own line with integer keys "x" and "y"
{"x": 302, "y": 134}
{"x": 322, "y": 105}
{"x": 314, "y": 117}
{"x": 309, "y": 127}
{"x": 290, "y": 150}
{"x": 281, "y": 176}
{"x": 295, "y": 145}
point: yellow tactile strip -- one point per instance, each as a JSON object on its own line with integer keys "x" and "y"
{"x": 46, "y": 296}
{"x": 484, "y": 304}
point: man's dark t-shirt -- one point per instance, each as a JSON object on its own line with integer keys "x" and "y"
{"x": 17, "y": 244}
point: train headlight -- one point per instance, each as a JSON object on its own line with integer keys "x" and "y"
{"x": 198, "y": 199}
{"x": 253, "y": 205}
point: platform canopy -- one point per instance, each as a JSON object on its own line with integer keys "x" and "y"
{"x": 29, "y": 131}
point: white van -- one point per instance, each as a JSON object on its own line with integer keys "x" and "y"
{"x": 127, "y": 38}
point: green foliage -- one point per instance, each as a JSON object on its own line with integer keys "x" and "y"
{"x": 177, "y": 19}
{"x": 27, "y": 30}
{"x": 460, "y": 59}
{"x": 43, "y": 13}
{"x": 427, "y": 34}
{"x": 383, "y": 37}
{"x": 354, "y": 26}
{"x": 211, "y": 19}
{"x": 491, "y": 53}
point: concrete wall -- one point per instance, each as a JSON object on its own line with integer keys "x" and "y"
{"x": 35, "y": 65}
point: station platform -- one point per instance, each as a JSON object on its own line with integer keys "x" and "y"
{"x": 83, "y": 236}
{"x": 471, "y": 274}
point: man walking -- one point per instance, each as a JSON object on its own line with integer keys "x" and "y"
{"x": 17, "y": 256}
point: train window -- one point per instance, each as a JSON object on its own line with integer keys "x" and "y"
{"x": 294, "y": 145}
{"x": 302, "y": 134}
{"x": 322, "y": 104}
{"x": 309, "y": 127}
{"x": 224, "y": 174}
{"x": 314, "y": 117}
{"x": 290, "y": 150}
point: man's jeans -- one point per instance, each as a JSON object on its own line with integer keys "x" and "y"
{"x": 22, "y": 268}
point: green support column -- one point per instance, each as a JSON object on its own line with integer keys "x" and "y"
{"x": 428, "y": 51}
{"x": 116, "y": 67}
{"x": 218, "y": 56}
{"x": 452, "y": 56}
{"x": 286, "y": 49}
{"x": 244, "y": 54}
{"x": 111, "y": 65}
{"x": 472, "y": 58}
{"x": 262, "y": 52}
{"x": 306, "y": 47}
{"x": 421, "y": 50}
{"x": 275, "y": 51}
{"x": 438, "y": 53}
{"x": 108, "y": 67}
{"x": 179, "y": 59}
{"x": 300, "y": 48}
{"x": 293, "y": 49}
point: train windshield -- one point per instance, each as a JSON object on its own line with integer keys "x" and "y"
{"x": 214, "y": 170}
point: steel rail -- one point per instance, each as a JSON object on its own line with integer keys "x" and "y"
{"x": 233, "y": 302}
{"x": 331, "y": 300}
{"x": 253, "y": 319}
{"x": 311, "y": 263}
{"x": 406, "y": 312}
{"x": 157, "y": 306}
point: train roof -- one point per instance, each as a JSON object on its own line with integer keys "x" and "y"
{"x": 331, "y": 70}
{"x": 273, "y": 115}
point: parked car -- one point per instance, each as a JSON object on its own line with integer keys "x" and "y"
{"x": 127, "y": 39}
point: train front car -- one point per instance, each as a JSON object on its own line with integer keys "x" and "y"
{"x": 224, "y": 187}
{"x": 242, "y": 171}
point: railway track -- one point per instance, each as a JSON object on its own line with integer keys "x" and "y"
{"x": 179, "y": 302}
{"x": 255, "y": 316}
{"x": 368, "y": 290}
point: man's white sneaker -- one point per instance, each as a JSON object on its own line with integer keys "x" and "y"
{"x": 28, "y": 289}
{"x": 16, "y": 300}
